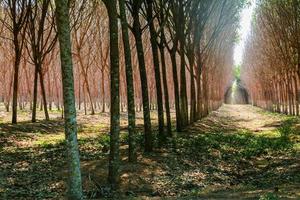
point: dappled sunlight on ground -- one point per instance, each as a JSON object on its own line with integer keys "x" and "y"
{"x": 238, "y": 152}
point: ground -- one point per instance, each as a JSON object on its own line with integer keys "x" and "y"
{"x": 237, "y": 152}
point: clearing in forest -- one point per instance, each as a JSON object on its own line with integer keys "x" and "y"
{"x": 237, "y": 152}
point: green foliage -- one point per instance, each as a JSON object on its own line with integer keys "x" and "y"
{"x": 243, "y": 144}
{"x": 257, "y": 146}
{"x": 269, "y": 196}
{"x": 51, "y": 144}
{"x": 286, "y": 129}
{"x": 237, "y": 72}
{"x": 104, "y": 140}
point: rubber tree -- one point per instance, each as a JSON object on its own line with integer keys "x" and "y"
{"x": 157, "y": 73}
{"x": 130, "y": 87}
{"x": 182, "y": 40}
{"x": 113, "y": 170}
{"x": 42, "y": 40}
{"x": 18, "y": 18}
{"x": 162, "y": 10}
{"x": 72, "y": 157}
{"x": 172, "y": 24}
{"x": 135, "y": 7}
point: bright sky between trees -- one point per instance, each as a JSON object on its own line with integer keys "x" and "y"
{"x": 244, "y": 30}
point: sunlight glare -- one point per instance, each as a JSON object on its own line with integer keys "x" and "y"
{"x": 245, "y": 28}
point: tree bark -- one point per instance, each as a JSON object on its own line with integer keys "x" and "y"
{"x": 137, "y": 32}
{"x": 43, "y": 91}
{"x": 154, "y": 48}
{"x": 183, "y": 92}
{"x": 33, "y": 117}
{"x": 113, "y": 170}
{"x": 16, "y": 82}
{"x": 166, "y": 91}
{"x": 176, "y": 90}
{"x": 193, "y": 92}
{"x": 63, "y": 26}
{"x": 132, "y": 156}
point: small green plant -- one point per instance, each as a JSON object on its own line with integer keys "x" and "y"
{"x": 124, "y": 137}
{"x": 269, "y": 196}
{"x": 237, "y": 72}
{"x": 286, "y": 129}
{"x": 139, "y": 138}
{"x": 104, "y": 140}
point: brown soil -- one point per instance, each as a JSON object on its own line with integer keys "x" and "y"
{"x": 235, "y": 153}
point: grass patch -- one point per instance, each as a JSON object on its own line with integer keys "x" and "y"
{"x": 215, "y": 159}
{"x": 243, "y": 143}
{"x": 48, "y": 141}
{"x": 269, "y": 196}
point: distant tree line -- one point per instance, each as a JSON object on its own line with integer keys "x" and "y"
{"x": 271, "y": 69}
{"x": 163, "y": 55}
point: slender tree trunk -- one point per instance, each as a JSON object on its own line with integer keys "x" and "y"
{"x": 63, "y": 25}
{"x": 130, "y": 88}
{"x": 90, "y": 98}
{"x": 297, "y": 73}
{"x": 79, "y": 92}
{"x": 49, "y": 92}
{"x": 16, "y": 84}
{"x": 86, "y": 83}
{"x": 193, "y": 92}
{"x": 113, "y": 172}
{"x": 33, "y": 118}
{"x": 289, "y": 96}
{"x": 161, "y": 47}
{"x": 205, "y": 92}
{"x": 43, "y": 91}
{"x": 176, "y": 90}
{"x": 298, "y": 80}
{"x": 199, "y": 88}
{"x": 143, "y": 76}
{"x": 166, "y": 91}
{"x": 57, "y": 96}
{"x": 296, "y": 95}
{"x": 183, "y": 91}
{"x": 154, "y": 48}
{"x": 84, "y": 99}
{"x": 103, "y": 92}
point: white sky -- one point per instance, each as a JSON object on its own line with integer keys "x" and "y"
{"x": 245, "y": 28}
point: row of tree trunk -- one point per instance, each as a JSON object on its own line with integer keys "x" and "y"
{"x": 271, "y": 69}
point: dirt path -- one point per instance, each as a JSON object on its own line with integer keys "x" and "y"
{"x": 249, "y": 117}
{"x": 238, "y": 152}
{"x": 256, "y": 151}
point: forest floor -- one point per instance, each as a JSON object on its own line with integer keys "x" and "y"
{"x": 237, "y": 152}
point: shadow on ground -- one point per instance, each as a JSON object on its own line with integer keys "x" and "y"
{"x": 213, "y": 159}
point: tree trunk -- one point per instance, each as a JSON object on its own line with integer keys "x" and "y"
{"x": 86, "y": 82}
{"x": 79, "y": 92}
{"x": 50, "y": 99}
{"x": 166, "y": 91}
{"x": 132, "y": 157}
{"x": 137, "y": 32}
{"x": 183, "y": 92}
{"x": 176, "y": 90}
{"x": 16, "y": 84}
{"x": 205, "y": 92}
{"x": 84, "y": 99}
{"x": 199, "y": 87}
{"x": 43, "y": 94}
{"x": 63, "y": 25}
{"x": 103, "y": 92}
{"x": 154, "y": 48}
{"x": 113, "y": 172}
{"x": 193, "y": 92}
{"x": 33, "y": 118}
